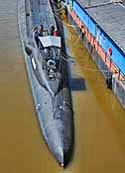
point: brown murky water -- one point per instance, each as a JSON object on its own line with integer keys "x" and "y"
{"x": 99, "y": 118}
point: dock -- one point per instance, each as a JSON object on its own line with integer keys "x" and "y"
{"x": 100, "y": 24}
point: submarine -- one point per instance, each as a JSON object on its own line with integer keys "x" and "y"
{"x": 48, "y": 75}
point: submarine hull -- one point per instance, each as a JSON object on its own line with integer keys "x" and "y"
{"x": 57, "y": 126}
{"x": 55, "y": 114}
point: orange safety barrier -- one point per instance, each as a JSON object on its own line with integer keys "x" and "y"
{"x": 74, "y": 16}
{"x": 97, "y": 46}
{"x": 102, "y": 53}
{"x": 88, "y": 35}
{"x": 72, "y": 13}
{"x": 79, "y": 23}
{"x": 108, "y": 61}
{"x": 91, "y": 39}
{"x": 83, "y": 29}
{"x": 78, "y": 19}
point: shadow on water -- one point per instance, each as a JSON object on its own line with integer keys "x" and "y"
{"x": 70, "y": 154}
{"x": 77, "y": 84}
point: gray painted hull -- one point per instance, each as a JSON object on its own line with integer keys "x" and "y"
{"x": 54, "y": 113}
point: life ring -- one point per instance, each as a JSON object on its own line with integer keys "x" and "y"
{"x": 51, "y": 63}
{"x": 110, "y": 51}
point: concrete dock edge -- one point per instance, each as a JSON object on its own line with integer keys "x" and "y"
{"x": 118, "y": 87}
